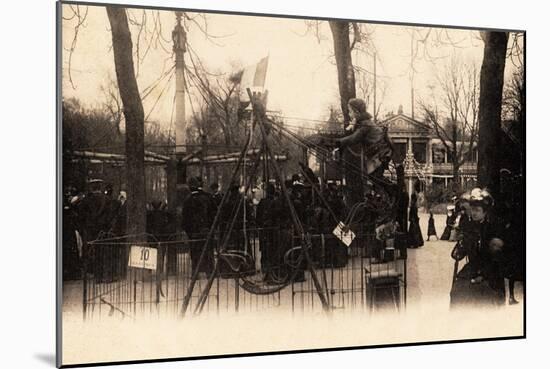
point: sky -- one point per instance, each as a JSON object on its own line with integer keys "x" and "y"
{"x": 301, "y": 76}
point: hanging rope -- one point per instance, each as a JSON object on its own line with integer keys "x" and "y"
{"x": 321, "y": 152}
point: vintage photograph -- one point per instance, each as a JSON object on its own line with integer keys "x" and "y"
{"x": 240, "y": 184}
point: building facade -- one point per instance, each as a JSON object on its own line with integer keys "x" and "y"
{"x": 423, "y": 154}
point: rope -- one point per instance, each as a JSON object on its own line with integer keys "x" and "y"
{"x": 317, "y": 151}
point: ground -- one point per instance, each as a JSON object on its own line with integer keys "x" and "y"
{"x": 430, "y": 267}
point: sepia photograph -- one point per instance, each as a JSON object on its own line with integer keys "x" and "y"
{"x": 240, "y": 184}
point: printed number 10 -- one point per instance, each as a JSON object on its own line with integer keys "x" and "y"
{"x": 144, "y": 254}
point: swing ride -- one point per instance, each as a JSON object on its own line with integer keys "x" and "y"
{"x": 374, "y": 213}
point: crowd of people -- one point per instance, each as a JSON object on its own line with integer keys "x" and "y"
{"x": 97, "y": 213}
{"x": 267, "y": 217}
{"x": 86, "y": 216}
{"x": 263, "y": 213}
{"x": 487, "y": 236}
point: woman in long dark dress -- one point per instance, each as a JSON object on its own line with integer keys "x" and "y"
{"x": 449, "y": 223}
{"x": 415, "y": 234}
{"x": 431, "y": 227}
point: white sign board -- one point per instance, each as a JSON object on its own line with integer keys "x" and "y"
{"x": 143, "y": 257}
{"x": 345, "y": 235}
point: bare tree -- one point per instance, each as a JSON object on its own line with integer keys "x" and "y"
{"x": 346, "y": 73}
{"x": 113, "y": 103}
{"x": 148, "y": 35}
{"x": 365, "y": 89}
{"x": 513, "y": 119}
{"x": 490, "y": 108}
{"x": 347, "y": 37}
{"x": 513, "y": 102}
{"x": 454, "y": 115}
{"x": 134, "y": 116}
{"x": 220, "y": 96}
{"x": 346, "y": 85}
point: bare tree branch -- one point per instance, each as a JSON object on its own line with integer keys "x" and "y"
{"x": 81, "y": 18}
{"x": 458, "y": 101}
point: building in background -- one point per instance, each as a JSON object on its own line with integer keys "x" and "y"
{"x": 423, "y": 154}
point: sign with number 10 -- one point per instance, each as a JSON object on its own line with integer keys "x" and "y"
{"x": 143, "y": 257}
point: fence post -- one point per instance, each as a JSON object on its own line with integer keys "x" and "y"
{"x": 236, "y": 294}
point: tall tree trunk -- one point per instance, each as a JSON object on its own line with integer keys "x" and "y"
{"x": 346, "y": 86}
{"x": 342, "y": 53}
{"x": 133, "y": 112}
{"x": 490, "y": 106}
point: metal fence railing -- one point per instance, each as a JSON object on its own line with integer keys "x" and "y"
{"x": 259, "y": 269}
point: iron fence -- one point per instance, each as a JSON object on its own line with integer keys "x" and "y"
{"x": 260, "y": 269}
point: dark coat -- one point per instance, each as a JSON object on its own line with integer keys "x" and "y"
{"x": 197, "y": 213}
{"x": 365, "y": 132}
{"x": 266, "y": 217}
{"x": 93, "y": 215}
{"x": 157, "y": 223}
{"x": 71, "y": 257}
{"x": 370, "y": 138}
{"x": 481, "y": 263}
{"x": 431, "y": 227}
{"x": 476, "y": 237}
{"x": 450, "y": 221}
{"x": 266, "y": 212}
{"x": 415, "y": 234}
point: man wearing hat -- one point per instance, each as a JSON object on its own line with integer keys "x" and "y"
{"x": 92, "y": 211}
{"x": 198, "y": 211}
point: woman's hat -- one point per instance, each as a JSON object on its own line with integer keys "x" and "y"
{"x": 481, "y": 197}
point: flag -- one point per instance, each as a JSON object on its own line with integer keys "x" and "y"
{"x": 261, "y": 72}
{"x": 254, "y": 77}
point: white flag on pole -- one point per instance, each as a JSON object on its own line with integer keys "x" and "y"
{"x": 254, "y": 78}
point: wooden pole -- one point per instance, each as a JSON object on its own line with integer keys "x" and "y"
{"x": 374, "y": 87}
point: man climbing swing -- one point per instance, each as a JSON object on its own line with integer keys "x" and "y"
{"x": 364, "y": 137}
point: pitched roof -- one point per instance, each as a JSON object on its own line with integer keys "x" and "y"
{"x": 402, "y": 119}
